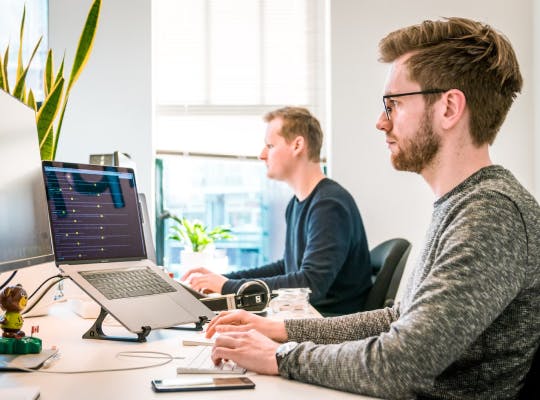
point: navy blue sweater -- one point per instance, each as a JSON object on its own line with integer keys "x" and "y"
{"x": 326, "y": 250}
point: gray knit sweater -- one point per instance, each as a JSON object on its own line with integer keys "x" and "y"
{"x": 469, "y": 322}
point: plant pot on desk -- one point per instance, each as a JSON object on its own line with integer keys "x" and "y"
{"x": 191, "y": 259}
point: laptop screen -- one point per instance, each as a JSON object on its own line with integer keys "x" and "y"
{"x": 94, "y": 212}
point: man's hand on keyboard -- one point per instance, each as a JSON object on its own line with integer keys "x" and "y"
{"x": 243, "y": 321}
{"x": 251, "y": 350}
{"x": 203, "y": 279}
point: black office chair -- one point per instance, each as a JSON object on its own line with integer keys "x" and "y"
{"x": 388, "y": 261}
{"x": 531, "y": 389}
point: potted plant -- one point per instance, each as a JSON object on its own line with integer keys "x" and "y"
{"x": 198, "y": 240}
{"x": 56, "y": 88}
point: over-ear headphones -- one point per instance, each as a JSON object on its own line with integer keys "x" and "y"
{"x": 253, "y": 295}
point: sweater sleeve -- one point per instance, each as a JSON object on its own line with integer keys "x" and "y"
{"x": 236, "y": 279}
{"x": 351, "y": 327}
{"x": 479, "y": 269}
{"x": 329, "y": 226}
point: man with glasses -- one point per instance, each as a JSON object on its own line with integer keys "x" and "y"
{"x": 468, "y": 324}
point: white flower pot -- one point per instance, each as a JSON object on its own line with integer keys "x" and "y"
{"x": 190, "y": 259}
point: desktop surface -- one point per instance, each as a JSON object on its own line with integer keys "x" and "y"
{"x": 63, "y": 329}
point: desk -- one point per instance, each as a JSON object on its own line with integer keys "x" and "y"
{"x": 64, "y": 329}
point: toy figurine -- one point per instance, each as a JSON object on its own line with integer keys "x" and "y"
{"x": 12, "y": 300}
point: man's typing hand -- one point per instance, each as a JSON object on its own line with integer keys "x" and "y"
{"x": 203, "y": 279}
{"x": 251, "y": 350}
{"x": 244, "y": 321}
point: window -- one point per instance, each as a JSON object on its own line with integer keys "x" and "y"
{"x": 219, "y": 65}
{"x": 35, "y": 26}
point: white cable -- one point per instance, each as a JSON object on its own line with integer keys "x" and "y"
{"x": 156, "y": 354}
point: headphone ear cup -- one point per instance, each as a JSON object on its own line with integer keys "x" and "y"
{"x": 254, "y": 295}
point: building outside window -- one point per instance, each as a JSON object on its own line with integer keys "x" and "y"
{"x": 219, "y": 66}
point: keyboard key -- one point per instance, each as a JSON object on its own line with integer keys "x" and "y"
{"x": 202, "y": 364}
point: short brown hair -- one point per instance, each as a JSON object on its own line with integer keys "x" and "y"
{"x": 458, "y": 53}
{"x": 298, "y": 121}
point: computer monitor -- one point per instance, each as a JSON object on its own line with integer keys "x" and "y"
{"x": 25, "y": 237}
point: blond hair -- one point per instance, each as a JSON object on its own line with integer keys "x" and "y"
{"x": 298, "y": 121}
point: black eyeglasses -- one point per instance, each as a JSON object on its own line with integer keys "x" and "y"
{"x": 388, "y": 110}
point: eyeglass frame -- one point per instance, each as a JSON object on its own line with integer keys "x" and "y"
{"x": 388, "y": 96}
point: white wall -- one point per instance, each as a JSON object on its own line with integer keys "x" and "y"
{"x": 398, "y": 203}
{"x": 110, "y": 107}
{"x": 536, "y": 84}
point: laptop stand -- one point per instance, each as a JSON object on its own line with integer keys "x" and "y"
{"x": 198, "y": 325}
{"x": 96, "y": 331}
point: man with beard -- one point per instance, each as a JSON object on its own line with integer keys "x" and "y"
{"x": 468, "y": 324}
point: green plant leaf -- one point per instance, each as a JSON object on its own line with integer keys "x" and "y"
{"x": 19, "y": 90}
{"x": 59, "y": 127}
{"x": 46, "y": 149}
{"x": 1, "y": 74}
{"x": 48, "y": 74}
{"x": 60, "y": 73}
{"x": 19, "y": 56}
{"x": 46, "y": 115}
{"x": 86, "y": 42}
{"x": 196, "y": 234}
{"x": 31, "y": 101}
{"x": 4, "y": 70}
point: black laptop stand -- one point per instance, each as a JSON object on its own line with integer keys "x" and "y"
{"x": 96, "y": 331}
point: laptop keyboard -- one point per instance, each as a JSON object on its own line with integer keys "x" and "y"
{"x": 126, "y": 283}
{"x": 203, "y": 364}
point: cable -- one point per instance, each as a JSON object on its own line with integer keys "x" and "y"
{"x": 3, "y": 285}
{"x": 30, "y": 307}
{"x": 62, "y": 277}
{"x": 168, "y": 358}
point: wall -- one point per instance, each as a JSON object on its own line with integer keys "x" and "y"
{"x": 536, "y": 84}
{"x": 110, "y": 106}
{"x": 399, "y": 203}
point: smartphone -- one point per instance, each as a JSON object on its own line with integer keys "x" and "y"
{"x": 186, "y": 384}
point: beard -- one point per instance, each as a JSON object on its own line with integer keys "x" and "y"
{"x": 415, "y": 154}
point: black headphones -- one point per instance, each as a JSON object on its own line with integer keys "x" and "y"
{"x": 253, "y": 295}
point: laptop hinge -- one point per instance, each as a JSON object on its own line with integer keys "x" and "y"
{"x": 198, "y": 325}
{"x": 96, "y": 331}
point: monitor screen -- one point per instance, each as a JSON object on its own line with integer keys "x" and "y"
{"x": 25, "y": 237}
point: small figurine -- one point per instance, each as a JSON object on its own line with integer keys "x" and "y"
{"x": 12, "y": 300}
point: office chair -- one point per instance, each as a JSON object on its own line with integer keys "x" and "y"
{"x": 531, "y": 389}
{"x": 388, "y": 261}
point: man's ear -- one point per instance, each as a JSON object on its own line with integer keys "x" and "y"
{"x": 454, "y": 105}
{"x": 298, "y": 144}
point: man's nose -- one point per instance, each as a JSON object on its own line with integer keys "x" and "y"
{"x": 383, "y": 123}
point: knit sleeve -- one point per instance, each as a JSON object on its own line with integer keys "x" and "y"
{"x": 479, "y": 268}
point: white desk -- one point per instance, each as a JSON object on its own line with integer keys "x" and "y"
{"x": 64, "y": 329}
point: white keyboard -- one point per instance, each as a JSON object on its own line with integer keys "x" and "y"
{"x": 202, "y": 364}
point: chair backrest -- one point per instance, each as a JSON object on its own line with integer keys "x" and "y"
{"x": 388, "y": 261}
{"x": 531, "y": 389}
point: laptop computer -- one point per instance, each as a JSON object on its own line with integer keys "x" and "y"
{"x": 98, "y": 239}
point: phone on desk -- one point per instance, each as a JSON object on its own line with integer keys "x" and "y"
{"x": 186, "y": 384}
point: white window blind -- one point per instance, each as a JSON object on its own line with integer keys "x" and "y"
{"x": 219, "y": 65}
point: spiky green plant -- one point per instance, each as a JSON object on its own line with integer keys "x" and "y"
{"x": 55, "y": 89}
{"x": 196, "y": 234}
